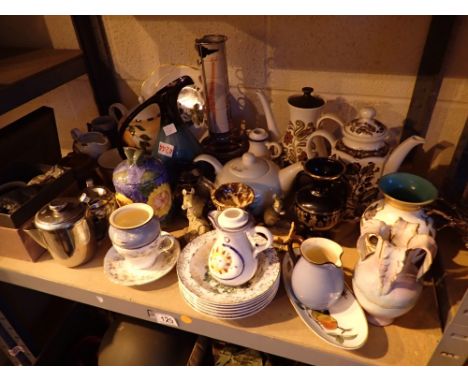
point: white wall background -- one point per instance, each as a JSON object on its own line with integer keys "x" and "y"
{"x": 351, "y": 61}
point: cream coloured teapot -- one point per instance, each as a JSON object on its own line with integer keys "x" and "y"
{"x": 365, "y": 149}
{"x": 262, "y": 175}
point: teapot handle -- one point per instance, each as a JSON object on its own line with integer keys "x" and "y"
{"x": 295, "y": 239}
{"x": 76, "y": 133}
{"x": 277, "y": 149}
{"x": 310, "y": 150}
{"x": 265, "y": 231}
{"x": 332, "y": 117}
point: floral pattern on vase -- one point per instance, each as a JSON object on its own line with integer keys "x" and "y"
{"x": 362, "y": 187}
{"x": 295, "y": 140}
{"x": 143, "y": 179}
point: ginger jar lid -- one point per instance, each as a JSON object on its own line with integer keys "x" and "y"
{"x": 366, "y": 127}
{"x": 306, "y": 100}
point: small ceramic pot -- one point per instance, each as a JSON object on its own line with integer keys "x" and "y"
{"x": 320, "y": 200}
{"x": 92, "y": 144}
{"x": 106, "y": 125}
{"x": 261, "y": 147}
{"x": 144, "y": 257}
{"x": 317, "y": 279}
{"x": 233, "y": 194}
{"x": 133, "y": 226}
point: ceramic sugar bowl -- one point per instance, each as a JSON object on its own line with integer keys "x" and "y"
{"x": 233, "y": 258}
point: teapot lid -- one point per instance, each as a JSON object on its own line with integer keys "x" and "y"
{"x": 366, "y": 127}
{"x": 306, "y": 100}
{"x": 248, "y": 166}
{"x": 60, "y": 213}
{"x": 258, "y": 135}
{"x": 233, "y": 218}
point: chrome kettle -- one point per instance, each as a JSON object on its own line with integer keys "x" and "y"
{"x": 64, "y": 227}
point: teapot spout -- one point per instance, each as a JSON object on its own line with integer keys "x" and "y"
{"x": 36, "y": 235}
{"x": 287, "y": 176}
{"x": 271, "y": 123}
{"x": 400, "y": 152}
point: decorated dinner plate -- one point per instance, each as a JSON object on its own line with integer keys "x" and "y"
{"x": 192, "y": 270}
{"x": 232, "y": 315}
{"x": 121, "y": 272}
{"x": 344, "y": 325}
{"x": 230, "y": 309}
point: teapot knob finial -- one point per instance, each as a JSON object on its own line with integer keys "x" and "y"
{"x": 367, "y": 113}
{"x": 307, "y": 90}
{"x": 248, "y": 159}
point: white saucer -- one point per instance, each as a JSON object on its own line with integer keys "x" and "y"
{"x": 346, "y": 322}
{"x": 121, "y": 272}
{"x": 233, "y": 316}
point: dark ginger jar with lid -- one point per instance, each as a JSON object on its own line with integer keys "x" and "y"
{"x": 321, "y": 196}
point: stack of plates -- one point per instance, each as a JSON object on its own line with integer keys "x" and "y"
{"x": 208, "y": 296}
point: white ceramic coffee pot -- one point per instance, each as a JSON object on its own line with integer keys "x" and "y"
{"x": 233, "y": 257}
{"x": 304, "y": 110}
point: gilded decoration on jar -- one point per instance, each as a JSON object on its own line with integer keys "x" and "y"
{"x": 318, "y": 221}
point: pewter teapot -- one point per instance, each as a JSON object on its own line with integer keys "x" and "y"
{"x": 65, "y": 228}
{"x": 364, "y": 147}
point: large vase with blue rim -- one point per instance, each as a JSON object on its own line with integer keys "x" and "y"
{"x": 143, "y": 179}
{"x": 396, "y": 248}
